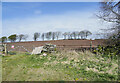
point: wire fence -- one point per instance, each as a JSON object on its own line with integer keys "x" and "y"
{"x": 19, "y": 49}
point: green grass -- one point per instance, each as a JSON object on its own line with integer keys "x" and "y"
{"x": 59, "y": 66}
{"x": 0, "y": 68}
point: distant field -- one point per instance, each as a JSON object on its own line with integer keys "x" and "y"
{"x": 65, "y": 44}
{"x": 59, "y": 66}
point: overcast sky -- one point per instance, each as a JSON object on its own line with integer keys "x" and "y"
{"x": 30, "y": 17}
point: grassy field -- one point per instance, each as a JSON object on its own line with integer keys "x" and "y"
{"x": 59, "y": 66}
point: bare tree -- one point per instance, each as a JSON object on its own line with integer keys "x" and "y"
{"x": 53, "y": 34}
{"x": 25, "y": 37}
{"x": 43, "y": 36}
{"x": 22, "y": 37}
{"x": 65, "y": 35}
{"x": 79, "y": 35}
{"x": 58, "y": 34}
{"x": 87, "y": 33}
{"x": 36, "y": 36}
{"x": 75, "y": 34}
{"x": 110, "y": 12}
{"x": 48, "y": 35}
{"x": 82, "y": 34}
{"x": 69, "y": 35}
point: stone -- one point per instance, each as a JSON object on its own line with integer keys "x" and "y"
{"x": 37, "y": 50}
{"x": 44, "y": 54}
{"x": 46, "y": 48}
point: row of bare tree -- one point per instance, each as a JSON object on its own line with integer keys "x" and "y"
{"x": 67, "y": 35}
{"x": 49, "y": 36}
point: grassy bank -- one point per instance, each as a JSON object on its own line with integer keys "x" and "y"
{"x": 66, "y": 65}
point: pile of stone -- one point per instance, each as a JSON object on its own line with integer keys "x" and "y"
{"x": 49, "y": 48}
{"x": 46, "y": 48}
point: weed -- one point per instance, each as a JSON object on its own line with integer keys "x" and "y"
{"x": 59, "y": 66}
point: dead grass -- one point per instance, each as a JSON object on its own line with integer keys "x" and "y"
{"x": 64, "y": 65}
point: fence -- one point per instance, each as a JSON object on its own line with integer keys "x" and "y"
{"x": 20, "y": 48}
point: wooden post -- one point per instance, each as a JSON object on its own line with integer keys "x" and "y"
{"x": 91, "y": 45}
{"x": 5, "y": 48}
{"x": 19, "y": 49}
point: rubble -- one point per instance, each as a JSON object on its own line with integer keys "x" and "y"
{"x": 46, "y": 48}
{"x": 49, "y": 48}
{"x": 44, "y": 54}
{"x": 37, "y": 50}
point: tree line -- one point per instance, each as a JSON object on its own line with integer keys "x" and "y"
{"x": 48, "y": 35}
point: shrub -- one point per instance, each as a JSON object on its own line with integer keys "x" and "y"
{"x": 107, "y": 51}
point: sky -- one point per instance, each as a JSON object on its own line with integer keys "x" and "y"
{"x": 0, "y": 19}
{"x": 55, "y": 0}
{"x": 30, "y": 17}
